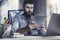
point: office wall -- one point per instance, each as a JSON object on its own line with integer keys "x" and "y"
{"x": 53, "y": 6}
{"x": 8, "y": 5}
{"x": 21, "y": 4}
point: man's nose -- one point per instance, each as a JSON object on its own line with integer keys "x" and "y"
{"x": 29, "y": 9}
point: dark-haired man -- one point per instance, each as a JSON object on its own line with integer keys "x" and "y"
{"x": 23, "y": 23}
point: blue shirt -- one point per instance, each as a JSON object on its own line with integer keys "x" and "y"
{"x": 20, "y": 21}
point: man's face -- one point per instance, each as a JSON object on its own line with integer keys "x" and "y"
{"x": 29, "y": 8}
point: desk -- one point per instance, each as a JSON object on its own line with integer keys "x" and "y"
{"x": 33, "y": 38}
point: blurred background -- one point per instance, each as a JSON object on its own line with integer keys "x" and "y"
{"x": 43, "y": 9}
{"x": 39, "y": 10}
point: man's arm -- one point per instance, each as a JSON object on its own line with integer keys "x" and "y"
{"x": 23, "y": 30}
{"x": 26, "y": 29}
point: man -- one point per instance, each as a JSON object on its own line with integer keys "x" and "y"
{"x": 23, "y": 23}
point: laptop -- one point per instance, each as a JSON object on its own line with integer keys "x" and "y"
{"x": 54, "y": 25}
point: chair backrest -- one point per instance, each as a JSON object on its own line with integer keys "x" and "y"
{"x": 12, "y": 13}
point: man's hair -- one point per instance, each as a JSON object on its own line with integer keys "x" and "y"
{"x": 28, "y": 2}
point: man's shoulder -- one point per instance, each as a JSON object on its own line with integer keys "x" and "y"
{"x": 19, "y": 14}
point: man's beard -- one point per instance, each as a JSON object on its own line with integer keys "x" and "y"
{"x": 28, "y": 14}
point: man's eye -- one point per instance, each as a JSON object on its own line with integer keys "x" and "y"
{"x": 27, "y": 7}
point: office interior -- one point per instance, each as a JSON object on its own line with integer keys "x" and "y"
{"x": 44, "y": 8}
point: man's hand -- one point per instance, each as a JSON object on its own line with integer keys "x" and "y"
{"x": 32, "y": 25}
{"x": 42, "y": 30}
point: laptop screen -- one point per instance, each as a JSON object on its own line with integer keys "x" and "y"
{"x": 54, "y": 25}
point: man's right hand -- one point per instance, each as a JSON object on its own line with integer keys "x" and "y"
{"x": 32, "y": 25}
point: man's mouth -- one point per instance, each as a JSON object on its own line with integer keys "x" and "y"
{"x": 29, "y": 13}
